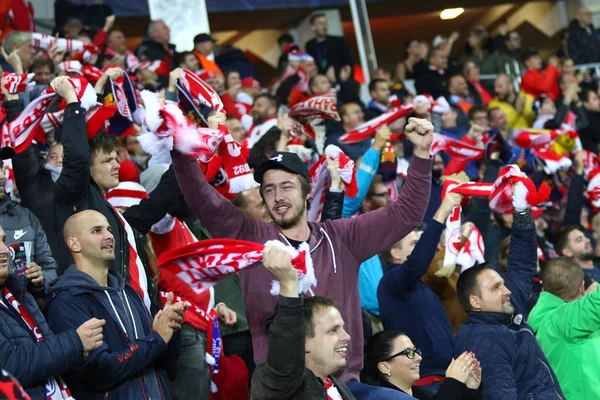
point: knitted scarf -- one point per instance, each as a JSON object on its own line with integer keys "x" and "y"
{"x": 56, "y": 388}
{"x": 317, "y": 107}
{"x": 321, "y": 179}
{"x": 367, "y": 130}
{"x": 205, "y": 263}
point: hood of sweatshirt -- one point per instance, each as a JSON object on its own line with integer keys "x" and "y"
{"x": 78, "y": 282}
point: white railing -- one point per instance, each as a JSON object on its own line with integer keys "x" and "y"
{"x": 410, "y": 83}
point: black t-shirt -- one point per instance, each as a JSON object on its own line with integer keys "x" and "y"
{"x": 295, "y": 243}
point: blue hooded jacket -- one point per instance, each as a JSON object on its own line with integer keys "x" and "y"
{"x": 33, "y": 363}
{"x": 129, "y": 363}
{"x": 514, "y": 363}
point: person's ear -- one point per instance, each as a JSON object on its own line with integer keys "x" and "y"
{"x": 384, "y": 368}
{"x": 73, "y": 244}
{"x": 475, "y": 302}
{"x": 567, "y": 252}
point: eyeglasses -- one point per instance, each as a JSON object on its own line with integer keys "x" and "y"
{"x": 409, "y": 353}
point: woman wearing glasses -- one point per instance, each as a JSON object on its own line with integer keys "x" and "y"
{"x": 392, "y": 361}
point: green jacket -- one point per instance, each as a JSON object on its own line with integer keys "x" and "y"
{"x": 569, "y": 334}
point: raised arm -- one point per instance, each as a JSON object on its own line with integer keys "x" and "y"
{"x": 575, "y": 197}
{"x": 522, "y": 258}
{"x": 365, "y": 172}
{"x": 375, "y": 231}
{"x": 73, "y": 184}
{"x": 283, "y": 373}
{"x": 577, "y": 320}
{"x": 401, "y": 280}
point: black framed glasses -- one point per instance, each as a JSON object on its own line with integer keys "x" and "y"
{"x": 409, "y": 353}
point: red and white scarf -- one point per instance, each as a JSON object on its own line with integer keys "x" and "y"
{"x": 165, "y": 127}
{"x": 592, "y": 192}
{"x": 56, "y": 388}
{"x": 368, "y": 129}
{"x": 501, "y": 196}
{"x": 317, "y": 107}
{"x": 456, "y": 149}
{"x": 238, "y": 172}
{"x": 590, "y": 163}
{"x": 332, "y": 392}
{"x": 201, "y": 91}
{"x": 95, "y": 119}
{"x": 203, "y": 264}
{"x": 439, "y": 105}
{"x": 473, "y": 250}
{"x": 16, "y": 83}
{"x": 137, "y": 273}
{"x": 27, "y": 126}
{"x": 79, "y": 50}
{"x": 530, "y": 140}
{"x": 321, "y": 179}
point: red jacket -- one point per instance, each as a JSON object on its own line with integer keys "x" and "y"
{"x": 537, "y": 83}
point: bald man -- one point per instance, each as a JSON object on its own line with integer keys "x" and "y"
{"x": 584, "y": 40}
{"x": 567, "y": 326}
{"x": 130, "y": 363}
{"x": 516, "y": 106}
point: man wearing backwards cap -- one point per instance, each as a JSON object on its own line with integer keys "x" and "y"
{"x": 337, "y": 247}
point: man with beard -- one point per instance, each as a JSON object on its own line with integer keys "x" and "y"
{"x": 517, "y": 107}
{"x": 572, "y": 242}
{"x": 337, "y": 246}
{"x": 495, "y": 329}
{"x": 264, "y": 117}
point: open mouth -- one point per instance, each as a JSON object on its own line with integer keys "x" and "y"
{"x": 282, "y": 209}
{"x": 342, "y": 350}
{"x": 108, "y": 247}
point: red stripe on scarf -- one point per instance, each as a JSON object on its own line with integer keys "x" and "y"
{"x": 368, "y": 129}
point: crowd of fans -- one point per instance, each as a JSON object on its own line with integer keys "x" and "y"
{"x": 439, "y": 241}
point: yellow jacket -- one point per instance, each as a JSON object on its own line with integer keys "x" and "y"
{"x": 516, "y": 121}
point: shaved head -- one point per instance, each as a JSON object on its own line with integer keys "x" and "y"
{"x": 75, "y": 223}
{"x": 90, "y": 240}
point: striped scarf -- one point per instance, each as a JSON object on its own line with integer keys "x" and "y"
{"x": 56, "y": 388}
{"x": 137, "y": 273}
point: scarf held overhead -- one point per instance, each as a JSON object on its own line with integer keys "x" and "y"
{"x": 368, "y": 129}
{"x": 205, "y": 263}
{"x": 321, "y": 179}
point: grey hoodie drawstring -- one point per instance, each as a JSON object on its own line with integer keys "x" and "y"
{"x": 119, "y": 318}
{"x": 332, "y": 250}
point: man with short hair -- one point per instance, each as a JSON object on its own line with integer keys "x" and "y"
{"x": 380, "y": 92}
{"x": 337, "y": 246}
{"x": 204, "y": 46}
{"x": 590, "y": 135}
{"x": 136, "y": 348}
{"x": 307, "y": 341}
{"x": 235, "y": 128}
{"x": 25, "y": 336}
{"x": 90, "y": 169}
{"x": 537, "y": 82}
{"x": 517, "y": 107}
{"x": 434, "y": 80}
{"x": 584, "y": 40}
{"x": 264, "y": 117}
{"x": 156, "y": 46}
{"x": 567, "y": 326}
{"x": 352, "y": 116}
{"x": 572, "y": 242}
{"x": 495, "y": 331}
{"x": 43, "y": 70}
{"x": 327, "y": 51}
{"x": 17, "y": 52}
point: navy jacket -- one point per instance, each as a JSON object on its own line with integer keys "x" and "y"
{"x": 115, "y": 370}
{"x": 407, "y": 304}
{"x": 30, "y": 362}
{"x": 513, "y": 364}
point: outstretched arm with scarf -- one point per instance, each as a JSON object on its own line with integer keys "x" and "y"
{"x": 375, "y": 231}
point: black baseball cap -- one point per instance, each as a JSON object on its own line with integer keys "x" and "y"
{"x": 282, "y": 160}
{"x": 202, "y": 37}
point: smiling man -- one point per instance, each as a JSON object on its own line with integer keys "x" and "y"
{"x": 90, "y": 169}
{"x": 337, "y": 246}
{"x": 516, "y": 367}
{"x": 307, "y": 342}
{"x": 131, "y": 362}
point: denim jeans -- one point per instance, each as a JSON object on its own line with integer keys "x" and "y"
{"x": 193, "y": 373}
